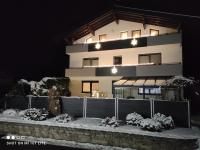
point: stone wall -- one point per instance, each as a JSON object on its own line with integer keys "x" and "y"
{"x": 139, "y": 142}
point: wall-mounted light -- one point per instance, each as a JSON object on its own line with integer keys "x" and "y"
{"x": 114, "y": 70}
{"x": 134, "y": 42}
{"x": 98, "y": 45}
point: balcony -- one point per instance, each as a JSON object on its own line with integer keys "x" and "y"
{"x": 128, "y": 71}
{"x": 73, "y": 72}
{"x": 122, "y": 44}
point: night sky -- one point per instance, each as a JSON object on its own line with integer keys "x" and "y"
{"x": 33, "y": 32}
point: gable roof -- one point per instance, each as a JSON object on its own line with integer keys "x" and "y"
{"x": 120, "y": 13}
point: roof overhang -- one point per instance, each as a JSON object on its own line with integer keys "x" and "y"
{"x": 144, "y": 81}
{"x": 122, "y": 14}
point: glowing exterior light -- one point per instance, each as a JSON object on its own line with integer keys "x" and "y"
{"x": 97, "y": 45}
{"x": 134, "y": 42}
{"x": 114, "y": 70}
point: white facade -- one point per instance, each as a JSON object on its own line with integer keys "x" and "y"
{"x": 170, "y": 53}
{"x": 105, "y": 85}
{"x": 113, "y": 31}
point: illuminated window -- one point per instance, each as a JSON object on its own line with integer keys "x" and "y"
{"x": 124, "y": 35}
{"x": 150, "y": 91}
{"x": 90, "y": 62}
{"x": 136, "y": 33}
{"x": 150, "y": 58}
{"x": 89, "y": 40}
{"x": 89, "y": 86}
{"x": 102, "y": 37}
{"x": 117, "y": 60}
{"x": 154, "y": 32}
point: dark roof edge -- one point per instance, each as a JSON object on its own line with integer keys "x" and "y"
{"x": 124, "y": 13}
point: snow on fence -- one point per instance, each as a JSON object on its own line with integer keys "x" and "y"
{"x": 103, "y": 107}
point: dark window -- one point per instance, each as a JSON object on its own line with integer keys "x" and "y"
{"x": 89, "y": 86}
{"x": 117, "y": 60}
{"x": 150, "y": 58}
{"x": 154, "y": 32}
{"x": 90, "y": 62}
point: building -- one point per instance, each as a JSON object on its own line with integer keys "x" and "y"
{"x": 125, "y": 53}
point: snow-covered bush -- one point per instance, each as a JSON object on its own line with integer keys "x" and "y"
{"x": 166, "y": 122}
{"x": 63, "y": 118}
{"x": 150, "y": 124}
{"x": 133, "y": 118}
{"x": 40, "y": 88}
{"x": 35, "y": 114}
{"x": 156, "y": 123}
{"x": 10, "y": 112}
{"x": 21, "y": 113}
{"x": 110, "y": 122}
{"x": 180, "y": 81}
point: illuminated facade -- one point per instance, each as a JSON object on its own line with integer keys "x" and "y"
{"x": 123, "y": 56}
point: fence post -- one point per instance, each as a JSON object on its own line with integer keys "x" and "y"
{"x": 84, "y": 107}
{"x": 152, "y": 107}
{"x": 29, "y": 101}
{"x": 5, "y": 104}
{"x": 189, "y": 119}
{"x": 116, "y": 108}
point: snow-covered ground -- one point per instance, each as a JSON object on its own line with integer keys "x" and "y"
{"x": 94, "y": 124}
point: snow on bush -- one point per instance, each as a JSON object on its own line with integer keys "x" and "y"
{"x": 110, "y": 122}
{"x": 166, "y": 122}
{"x": 40, "y": 88}
{"x": 151, "y": 125}
{"x": 10, "y": 112}
{"x": 63, "y": 118}
{"x": 35, "y": 114}
{"x": 21, "y": 113}
{"x": 180, "y": 81}
{"x": 133, "y": 118}
{"x": 156, "y": 123}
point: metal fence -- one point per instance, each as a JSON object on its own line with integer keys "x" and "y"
{"x": 103, "y": 107}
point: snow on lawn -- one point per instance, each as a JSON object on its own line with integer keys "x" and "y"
{"x": 94, "y": 124}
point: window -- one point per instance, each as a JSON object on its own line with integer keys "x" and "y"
{"x": 89, "y": 40}
{"x": 136, "y": 33}
{"x": 117, "y": 60}
{"x": 124, "y": 92}
{"x": 90, "y": 62}
{"x": 154, "y": 32}
{"x": 124, "y": 35}
{"x": 89, "y": 86}
{"x": 102, "y": 37}
{"x": 149, "y": 91}
{"x": 150, "y": 58}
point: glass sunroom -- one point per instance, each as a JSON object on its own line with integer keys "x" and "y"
{"x": 145, "y": 88}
